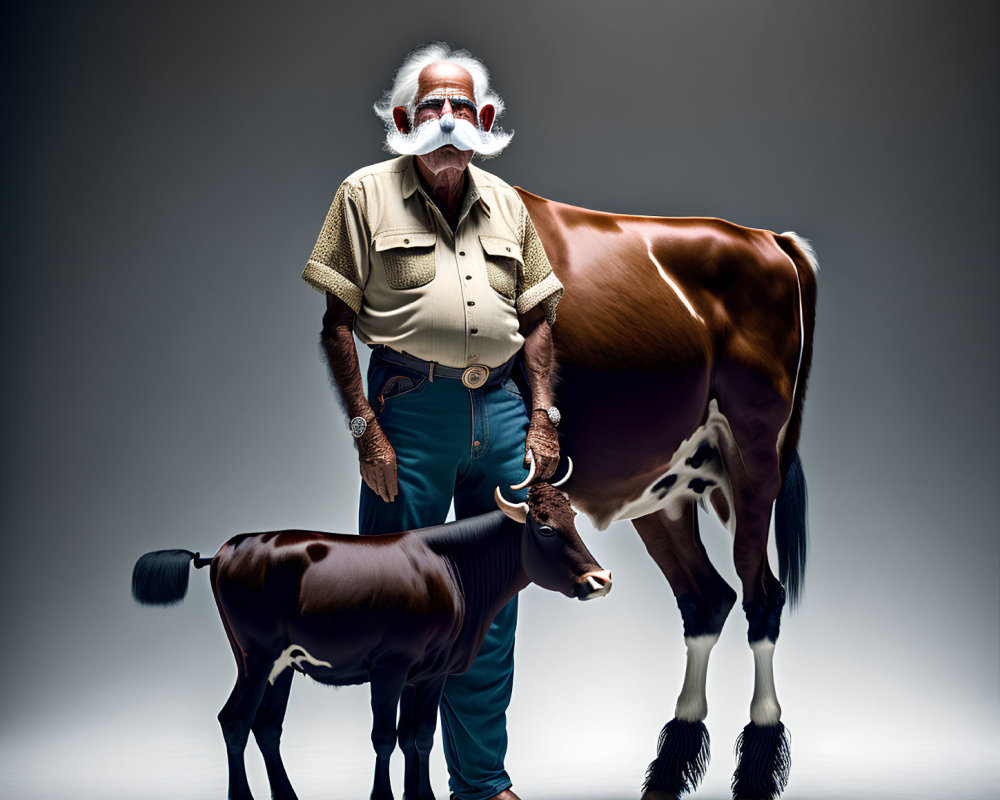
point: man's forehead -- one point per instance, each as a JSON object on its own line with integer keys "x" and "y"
{"x": 445, "y": 80}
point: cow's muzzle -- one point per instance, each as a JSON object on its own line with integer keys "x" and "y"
{"x": 594, "y": 584}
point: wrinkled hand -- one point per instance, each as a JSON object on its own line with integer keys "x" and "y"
{"x": 378, "y": 462}
{"x": 543, "y": 441}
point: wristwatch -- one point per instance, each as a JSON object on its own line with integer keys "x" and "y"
{"x": 358, "y": 427}
{"x": 552, "y": 413}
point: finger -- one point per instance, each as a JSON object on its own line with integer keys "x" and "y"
{"x": 546, "y": 467}
{"x": 391, "y": 484}
{"x": 529, "y": 462}
{"x": 367, "y": 476}
{"x": 380, "y": 482}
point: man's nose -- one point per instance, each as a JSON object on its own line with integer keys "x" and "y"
{"x": 447, "y": 117}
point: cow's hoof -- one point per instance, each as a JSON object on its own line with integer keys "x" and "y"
{"x": 682, "y": 754}
{"x": 657, "y": 794}
{"x": 763, "y": 759}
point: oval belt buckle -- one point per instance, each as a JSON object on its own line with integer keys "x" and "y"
{"x": 475, "y": 376}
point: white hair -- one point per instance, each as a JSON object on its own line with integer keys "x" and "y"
{"x": 404, "y": 86}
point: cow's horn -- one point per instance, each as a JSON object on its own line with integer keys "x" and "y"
{"x": 516, "y": 511}
{"x": 569, "y": 471}
{"x": 531, "y": 474}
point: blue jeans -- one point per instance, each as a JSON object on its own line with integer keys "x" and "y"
{"x": 455, "y": 443}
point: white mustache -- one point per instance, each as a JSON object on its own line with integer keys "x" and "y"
{"x": 459, "y": 133}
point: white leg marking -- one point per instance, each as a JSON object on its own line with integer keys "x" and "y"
{"x": 286, "y": 659}
{"x": 671, "y": 283}
{"x": 692, "y": 705}
{"x": 764, "y": 708}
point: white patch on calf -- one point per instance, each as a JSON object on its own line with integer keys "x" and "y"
{"x": 692, "y": 705}
{"x": 672, "y": 499}
{"x": 286, "y": 659}
{"x": 764, "y": 708}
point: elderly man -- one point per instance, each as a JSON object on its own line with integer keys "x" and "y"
{"x": 436, "y": 266}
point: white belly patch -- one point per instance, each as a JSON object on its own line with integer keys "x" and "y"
{"x": 696, "y": 470}
{"x": 293, "y": 656}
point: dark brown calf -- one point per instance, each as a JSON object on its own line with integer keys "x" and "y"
{"x": 399, "y": 610}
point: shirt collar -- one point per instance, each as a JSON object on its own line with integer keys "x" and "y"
{"x": 411, "y": 183}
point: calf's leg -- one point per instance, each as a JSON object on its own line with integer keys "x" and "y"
{"x": 236, "y": 718}
{"x": 418, "y": 711}
{"x": 387, "y": 684}
{"x": 267, "y": 732}
{"x": 705, "y": 600}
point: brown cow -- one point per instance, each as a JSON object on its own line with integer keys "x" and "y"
{"x": 683, "y": 347}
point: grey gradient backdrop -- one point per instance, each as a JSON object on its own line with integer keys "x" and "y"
{"x": 166, "y": 170}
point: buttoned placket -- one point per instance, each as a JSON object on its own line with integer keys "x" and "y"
{"x": 463, "y": 262}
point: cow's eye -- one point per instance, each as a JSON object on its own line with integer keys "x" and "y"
{"x": 545, "y": 530}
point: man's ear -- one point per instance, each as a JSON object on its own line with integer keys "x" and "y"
{"x": 486, "y": 115}
{"x": 401, "y": 120}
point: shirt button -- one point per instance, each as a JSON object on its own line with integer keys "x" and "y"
{"x": 407, "y": 241}
{"x": 471, "y": 303}
{"x": 508, "y": 249}
{"x": 468, "y": 277}
{"x": 462, "y": 252}
{"x": 474, "y": 330}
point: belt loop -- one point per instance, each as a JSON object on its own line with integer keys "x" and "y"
{"x": 430, "y": 371}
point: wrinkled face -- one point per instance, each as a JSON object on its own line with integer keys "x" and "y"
{"x": 445, "y": 89}
{"x": 553, "y": 554}
{"x": 446, "y": 127}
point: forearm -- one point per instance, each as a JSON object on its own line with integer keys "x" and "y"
{"x": 539, "y": 359}
{"x": 337, "y": 340}
{"x": 542, "y": 441}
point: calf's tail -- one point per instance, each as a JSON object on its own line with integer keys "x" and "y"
{"x": 160, "y": 578}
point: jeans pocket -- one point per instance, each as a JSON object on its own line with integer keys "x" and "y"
{"x": 398, "y": 385}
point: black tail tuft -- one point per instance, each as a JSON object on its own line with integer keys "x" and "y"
{"x": 790, "y": 529}
{"x": 160, "y": 578}
{"x": 763, "y": 760}
{"x": 682, "y": 754}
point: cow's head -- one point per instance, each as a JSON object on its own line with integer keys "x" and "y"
{"x": 552, "y": 552}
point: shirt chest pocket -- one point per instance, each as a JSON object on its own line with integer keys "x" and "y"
{"x": 503, "y": 259}
{"x": 407, "y": 258}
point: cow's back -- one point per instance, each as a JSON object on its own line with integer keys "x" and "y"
{"x": 652, "y": 307}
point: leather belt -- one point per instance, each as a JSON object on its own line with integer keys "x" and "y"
{"x": 475, "y": 376}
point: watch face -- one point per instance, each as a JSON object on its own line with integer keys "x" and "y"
{"x": 554, "y": 416}
{"x": 358, "y": 426}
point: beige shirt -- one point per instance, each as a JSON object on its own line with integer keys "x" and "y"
{"x": 454, "y": 298}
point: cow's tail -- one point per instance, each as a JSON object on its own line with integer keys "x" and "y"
{"x": 790, "y": 506}
{"x": 160, "y": 578}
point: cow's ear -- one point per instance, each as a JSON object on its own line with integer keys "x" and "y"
{"x": 515, "y": 511}
{"x": 401, "y": 119}
{"x": 486, "y": 116}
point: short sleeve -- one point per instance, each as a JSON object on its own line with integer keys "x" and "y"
{"x": 537, "y": 283}
{"x": 339, "y": 261}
